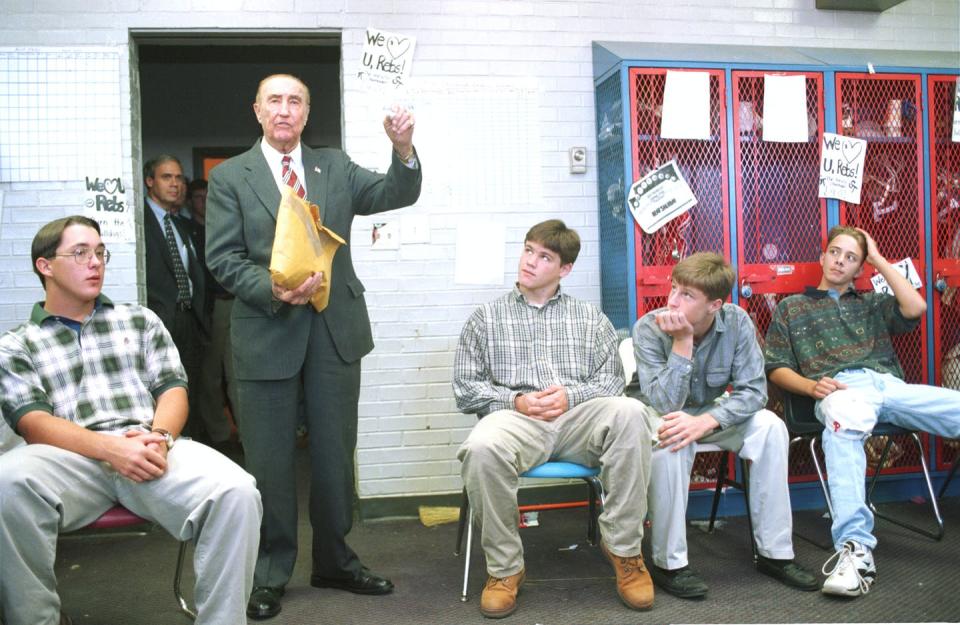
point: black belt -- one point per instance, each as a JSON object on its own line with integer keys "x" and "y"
{"x": 184, "y": 305}
{"x": 223, "y": 295}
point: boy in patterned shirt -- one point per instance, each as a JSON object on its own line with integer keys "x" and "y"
{"x": 833, "y": 344}
{"x": 98, "y": 393}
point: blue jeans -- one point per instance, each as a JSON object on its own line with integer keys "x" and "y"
{"x": 886, "y": 399}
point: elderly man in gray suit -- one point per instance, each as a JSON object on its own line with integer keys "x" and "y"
{"x": 282, "y": 345}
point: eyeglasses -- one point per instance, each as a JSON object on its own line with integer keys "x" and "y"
{"x": 82, "y": 255}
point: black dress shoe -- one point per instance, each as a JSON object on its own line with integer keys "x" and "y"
{"x": 788, "y": 572}
{"x": 682, "y": 582}
{"x": 264, "y": 602}
{"x": 363, "y": 582}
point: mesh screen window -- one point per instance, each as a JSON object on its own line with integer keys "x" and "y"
{"x": 59, "y": 114}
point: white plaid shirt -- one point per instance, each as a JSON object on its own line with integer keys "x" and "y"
{"x": 509, "y": 347}
{"x": 107, "y": 377}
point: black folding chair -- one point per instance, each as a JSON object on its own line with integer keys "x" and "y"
{"x": 798, "y": 411}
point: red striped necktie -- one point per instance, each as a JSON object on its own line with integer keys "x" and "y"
{"x": 290, "y": 177}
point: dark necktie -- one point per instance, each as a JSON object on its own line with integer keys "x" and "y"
{"x": 179, "y": 271}
{"x": 290, "y": 177}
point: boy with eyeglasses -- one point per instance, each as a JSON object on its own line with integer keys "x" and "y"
{"x": 98, "y": 392}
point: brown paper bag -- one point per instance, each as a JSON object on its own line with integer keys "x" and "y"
{"x": 302, "y": 246}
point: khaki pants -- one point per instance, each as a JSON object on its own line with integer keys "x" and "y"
{"x": 609, "y": 432}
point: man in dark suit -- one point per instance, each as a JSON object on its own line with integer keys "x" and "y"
{"x": 176, "y": 284}
{"x": 283, "y": 347}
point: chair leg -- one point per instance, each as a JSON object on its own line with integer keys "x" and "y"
{"x": 721, "y": 482}
{"x": 938, "y": 519}
{"x": 177, "y": 574}
{"x": 823, "y": 487}
{"x": 596, "y": 492}
{"x": 466, "y": 558}
{"x": 745, "y": 486}
{"x": 464, "y": 504}
{"x": 946, "y": 482}
{"x": 820, "y": 475}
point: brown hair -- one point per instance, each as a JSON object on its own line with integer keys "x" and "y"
{"x": 852, "y": 232}
{"x": 554, "y": 235}
{"x": 47, "y": 239}
{"x": 150, "y": 167}
{"x": 706, "y": 271}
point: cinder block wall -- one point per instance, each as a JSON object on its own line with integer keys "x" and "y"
{"x": 409, "y": 427}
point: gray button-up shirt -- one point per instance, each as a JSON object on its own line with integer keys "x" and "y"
{"x": 509, "y": 347}
{"x": 728, "y": 355}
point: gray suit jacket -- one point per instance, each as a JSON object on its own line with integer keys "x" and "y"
{"x": 269, "y": 338}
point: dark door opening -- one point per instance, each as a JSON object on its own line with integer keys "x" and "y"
{"x": 197, "y": 93}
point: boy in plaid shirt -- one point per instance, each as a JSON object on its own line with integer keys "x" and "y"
{"x": 98, "y": 393}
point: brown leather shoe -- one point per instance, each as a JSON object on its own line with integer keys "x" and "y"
{"x": 499, "y": 598}
{"x": 633, "y": 580}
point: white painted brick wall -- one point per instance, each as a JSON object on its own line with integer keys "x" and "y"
{"x": 409, "y": 429}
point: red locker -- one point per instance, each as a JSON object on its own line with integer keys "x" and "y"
{"x": 781, "y": 223}
{"x": 945, "y": 231}
{"x": 885, "y": 109}
{"x": 706, "y": 226}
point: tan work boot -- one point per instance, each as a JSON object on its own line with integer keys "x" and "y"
{"x": 633, "y": 580}
{"x": 499, "y": 598}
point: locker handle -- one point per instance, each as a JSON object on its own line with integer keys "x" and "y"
{"x": 753, "y": 278}
{"x": 654, "y": 280}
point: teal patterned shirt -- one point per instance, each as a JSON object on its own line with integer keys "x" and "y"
{"x": 105, "y": 377}
{"x": 818, "y": 335}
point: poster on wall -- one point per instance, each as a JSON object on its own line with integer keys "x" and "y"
{"x": 841, "y": 167}
{"x": 105, "y": 200}
{"x": 386, "y": 61}
{"x": 659, "y": 197}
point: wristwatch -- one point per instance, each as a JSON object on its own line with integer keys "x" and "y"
{"x": 167, "y": 437}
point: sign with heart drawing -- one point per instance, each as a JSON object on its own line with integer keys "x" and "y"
{"x": 841, "y": 167}
{"x": 105, "y": 201}
{"x": 387, "y": 59}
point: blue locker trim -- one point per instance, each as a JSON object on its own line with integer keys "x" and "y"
{"x": 928, "y": 226}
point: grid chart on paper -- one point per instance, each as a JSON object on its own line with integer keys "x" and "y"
{"x": 59, "y": 113}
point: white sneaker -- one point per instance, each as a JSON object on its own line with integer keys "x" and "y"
{"x": 853, "y": 572}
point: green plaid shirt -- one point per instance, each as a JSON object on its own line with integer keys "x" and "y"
{"x": 106, "y": 377}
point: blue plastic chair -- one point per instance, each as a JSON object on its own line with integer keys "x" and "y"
{"x": 551, "y": 470}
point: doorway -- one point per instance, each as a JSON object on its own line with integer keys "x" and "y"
{"x": 196, "y": 91}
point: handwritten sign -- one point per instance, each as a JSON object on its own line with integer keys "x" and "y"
{"x": 841, "y": 167}
{"x": 387, "y": 59}
{"x": 956, "y": 112}
{"x": 105, "y": 201}
{"x": 659, "y": 197}
{"x": 906, "y": 269}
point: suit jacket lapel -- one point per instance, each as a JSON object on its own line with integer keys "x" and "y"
{"x": 155, "y": 230}
{"x": 261, "y": 180}
{"x": 315, "y": 172}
